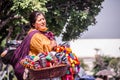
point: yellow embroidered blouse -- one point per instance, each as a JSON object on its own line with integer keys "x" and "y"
{"x": 39, "y": 44}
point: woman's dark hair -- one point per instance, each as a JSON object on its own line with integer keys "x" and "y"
{"x": 33, "y": 16}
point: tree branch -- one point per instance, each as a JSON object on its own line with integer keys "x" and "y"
{"x": 3, "y": 23}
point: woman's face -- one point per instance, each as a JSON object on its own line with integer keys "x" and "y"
{"x": 40, "y": 23}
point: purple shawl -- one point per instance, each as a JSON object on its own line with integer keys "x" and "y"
{"x": 19, "y": 54}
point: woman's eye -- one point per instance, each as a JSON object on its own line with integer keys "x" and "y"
{"x": 43, "y": 19}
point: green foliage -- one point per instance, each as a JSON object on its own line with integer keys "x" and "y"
{"x": 67, "y": 17}
{"x": 99, "y": 63}
{"x": 109, "y": 63}
{"x": 24, "y": 7}
{"x": 114, "y": 63}
{"x": 82, "y": 64}
{"x": 81, "y": 14}
{"x": 14, "y": 13}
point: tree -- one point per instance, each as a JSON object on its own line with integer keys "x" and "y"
{"x": 99, "y": 63}
{"x": 115, "y": 64}
{"x": 72, "y": 17}
{"x": 67, "y": 17}
{"x": 106, "y": 62}
{"x": 14, "y": 14}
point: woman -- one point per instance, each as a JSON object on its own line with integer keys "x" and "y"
{"x": 38, "y": 40}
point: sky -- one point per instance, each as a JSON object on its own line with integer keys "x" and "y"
{"x": 108, "y": 22}
{"x": 105, "y": 35}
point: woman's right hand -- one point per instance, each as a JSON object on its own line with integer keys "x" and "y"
{"x": 53, "y": 44}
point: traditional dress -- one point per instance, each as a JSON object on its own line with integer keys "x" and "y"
{"x": 34, "y": 43}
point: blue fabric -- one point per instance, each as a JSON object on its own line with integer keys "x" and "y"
{"x": 87, "y": 77}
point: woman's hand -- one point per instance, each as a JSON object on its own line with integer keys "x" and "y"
{"x": 4, "y": 53}
{"x": 53, "y": 44}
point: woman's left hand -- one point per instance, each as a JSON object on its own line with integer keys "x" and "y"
{"x": 53, "y": 43}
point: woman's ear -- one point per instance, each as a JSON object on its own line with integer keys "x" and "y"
{"x": 33, "y": 25}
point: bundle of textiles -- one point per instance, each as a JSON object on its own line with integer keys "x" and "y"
{"x": 60, "y": 55}
{"x": 72, "y": 61}
{"x": 41, "y": 60}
